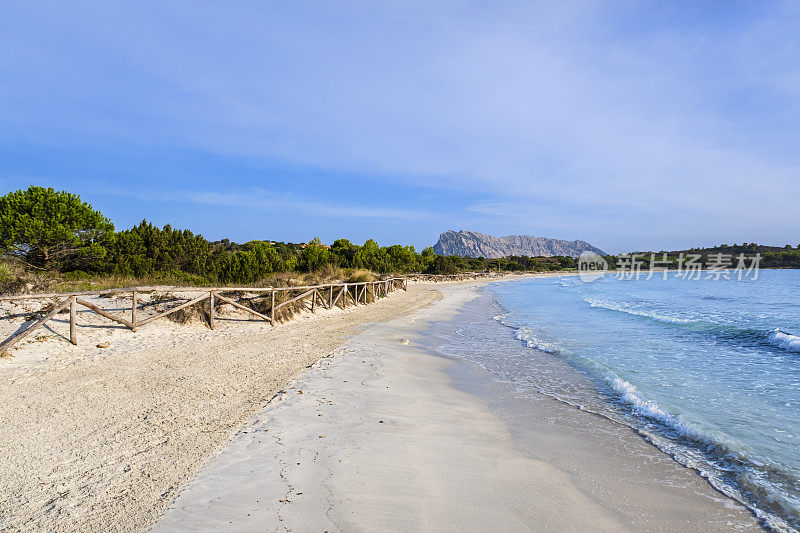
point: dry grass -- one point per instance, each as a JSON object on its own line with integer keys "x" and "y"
{"x": 161, "y": 302}
{"x": 193, "y": 313}
{"x": 359, "y": 276}
{"x": 83, "y": 282}
{"x": 198, "y": 312}
{"x": 15, "y": 279}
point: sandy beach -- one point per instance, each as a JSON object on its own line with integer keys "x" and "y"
{"x": 103, "y": 439}
{"x": 385, "y": 436}
{"x": 400, "y": 267}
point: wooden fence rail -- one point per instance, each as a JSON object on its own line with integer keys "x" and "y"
{"x": 362, "y": 293}
{"x": 463, "y": 276}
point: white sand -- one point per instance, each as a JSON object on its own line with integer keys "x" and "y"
{"x": 102, "y": 439}
{"x": 377, "y": 438}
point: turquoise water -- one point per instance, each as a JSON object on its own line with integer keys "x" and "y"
{"x": 709, "y": 371}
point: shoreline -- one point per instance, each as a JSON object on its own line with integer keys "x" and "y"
{"x": 608, "y": 459}
{"x": 438, "y": 454}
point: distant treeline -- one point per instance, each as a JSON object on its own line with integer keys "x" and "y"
{"x": 55, "y": 231}
{"x": 787, "y": 256}
{"x": 52, "y": 231}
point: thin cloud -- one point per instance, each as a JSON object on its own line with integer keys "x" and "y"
{"x": 585, "y": 109}
{"x": 261, "y": 199}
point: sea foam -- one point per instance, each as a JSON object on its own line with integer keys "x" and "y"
{"x": 784, "y": 340}
{"x": 650, "y": 409}
{"x": 626, "y": 308}
{"x": 526, "y": 336}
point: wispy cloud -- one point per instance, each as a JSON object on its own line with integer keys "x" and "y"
{"x": 585, "y": 110}
{"x": 282, "y": 202}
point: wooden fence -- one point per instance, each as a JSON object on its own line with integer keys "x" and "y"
{"x": 328, "y": 295}
{"x": 463, "y": 276}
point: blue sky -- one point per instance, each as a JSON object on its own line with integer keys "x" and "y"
{"x": 632, "y": 125}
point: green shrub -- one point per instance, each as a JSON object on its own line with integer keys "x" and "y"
{"x": 443, "y": 265}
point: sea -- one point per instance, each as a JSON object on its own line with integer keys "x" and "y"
{"x": 707, "y": 370}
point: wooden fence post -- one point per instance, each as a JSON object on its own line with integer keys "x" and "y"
{"x": 314, "y": 301}
{"x": 133, "y": 312}
{"x": 73, "y": 335}
{"x": 272, "y": 310}
{"x": 330, "y": 299}
{"x": 211, "y": 309}
{"x": 344, "y": 297}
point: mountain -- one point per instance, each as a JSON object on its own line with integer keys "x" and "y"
{"x": 472, "y": 244}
